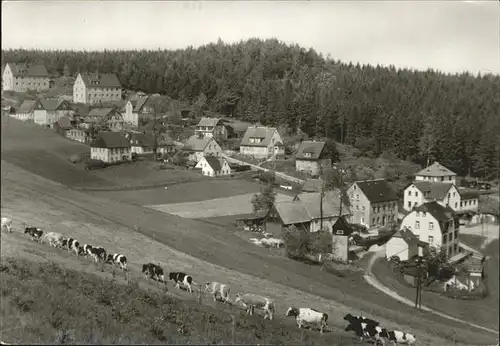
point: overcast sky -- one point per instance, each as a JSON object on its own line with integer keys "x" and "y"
{"x": 451, "y": 36}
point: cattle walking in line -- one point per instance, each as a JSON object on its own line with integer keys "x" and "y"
{"x": 182, "y": 278}
{"x": 398, "y": 337}
{"x": 152, "y": 270}
{"x": 118, "y": 260}
{"x": 307, "y": 316}
{"x": 6, "y": 224}
{"x": 251, "y": 301}
{"x": 35, "y": 233}
{"x": 53, "y": 238}
{"x": 218, "y": 289}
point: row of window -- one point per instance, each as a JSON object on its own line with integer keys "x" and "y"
{"x": 376, "y": 221}
{"x": 417, "y": 225}
{"x": 447, "y": 238}
{"x": 440, "y": 178}
{"x": 91, "y": 95}
{"x": 466, "y": 203}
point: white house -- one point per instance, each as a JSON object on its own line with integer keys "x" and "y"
{"x": 261, "y": 142}
{"x": 435, "y": 224}
{"x": 198, "y": 147}
{"x": 49, "y": 111}
{"x": 135, "y": 108}
{"x": 26, "y": 111}
{"x": 420, "y": 192}
{"x": 311, "y": 156}
{"x": 23, "y": 77}
{"x": 213, "y": 166}
{"x": 436, "y": 173}
{"x": 211, "y": 127}
{"x": 110, "y": 147}
{"x": 95, "y": 88}
{"x": 405, "y": 245}
{"x": 469, "y": 201}
{"x": 142, "y": 143}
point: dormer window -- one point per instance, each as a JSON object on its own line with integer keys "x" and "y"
{"x": 307, "y": 154}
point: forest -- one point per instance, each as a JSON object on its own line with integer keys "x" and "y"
{"x": 419, "y": 116}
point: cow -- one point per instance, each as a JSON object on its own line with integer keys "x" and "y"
{"x": 100, "y": 254}
{"x": 6, "y": 224}
{"x": 305, "y": 316}
{"x": 119, "y": 260}
{"x": 398, "y": 337}
{"x": 34, "y": 233}
{"x": 53, "y": 238}
{"x": 186, "y": 280}
{"x": 72, "y": 245}
{"x": 251, "y": 301}
{"x": 363, "y": 327}
{"x": 152, "y": 270}
{"x": 216, "y": 288}
{"x": 86, "y": 249}
{"x": 350, "y": 318}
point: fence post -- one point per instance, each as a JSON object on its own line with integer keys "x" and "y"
{"x": 233, "y": 330}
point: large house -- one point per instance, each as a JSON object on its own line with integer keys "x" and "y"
{"x": 97, "y": 88}
{"x": 436, "y": 173}
{"x": 404, "y": 244}
{"x": 47, "y": 112}
{"x": 373, "y": 202}
{"x": 26, "y": 111}
{"x": 135, "y": 108}
{"x": 213, "y": 166}
{"x": 110, "y": 147}
{"x": 105, "y": 116}
{"x": 142, "y": 143}
{"x": 261, "y": 142}
{"x": 310, "y": 157}
{"x": 435, "y": 224}
{"x": 211, "y": 127}
{"x": 23, "y": 77}
{"x": 198, "y": 147}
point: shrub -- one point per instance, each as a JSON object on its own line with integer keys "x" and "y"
{"x": 95, "y": 164}
{"x": 300, "y": 244}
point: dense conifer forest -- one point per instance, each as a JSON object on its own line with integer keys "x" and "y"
{"x": 418, "y": 116}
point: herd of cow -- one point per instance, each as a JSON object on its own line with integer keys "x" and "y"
{"x": 364, "y": 328}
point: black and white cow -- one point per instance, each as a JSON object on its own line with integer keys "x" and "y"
{"x": 398, "y": 337}
{"x": 72, "y": 245}
{"x": 35, "y": 233}
{"x": 100, "y": 253}
{"x": 152, "y": 270}
{"x": 6, "y": 224}
{"x": 367, "y": 329}
{"x": 86, "y": 249}
{"x": 218, "y": 289}
{"x": 307, "y": 316}
{"x": 251, "y": 301}
{"x": 118, "y": 260}
{"x": 349, "y": 317}
{"x": 182, "y": 278}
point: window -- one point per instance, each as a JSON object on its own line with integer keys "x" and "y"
{"x": 417, "y": 224}
{"x": 357, "y": 207}
{"x": 453, "y": 194}
{"x": 418, "y": 214}
{"x": 378, "y": 219}
{"x": 431, "y": 239}
{"x": 456, "y": 205}
{"x": 431, "y": 225}
{"x": 416, "y": 193}
{"x": 424, "y": 213}
{"x": 363, "y": 208}
{"x": 357, "y": 197}
{"x": 456, "y": 234}
{"x": 445, "y": 238}
{"x": 450, "y": 236}
{"x": 409, "y": 204}
{"x": 409, "y": 193}
{"x": 373, "y": 221}
{"x": 442, "y": 178}
{"x": 340, "y": 231}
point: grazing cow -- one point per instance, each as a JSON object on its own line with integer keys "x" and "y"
{"x": 186, "y": 280}
{"x": 216, "y": 288}
{"x": 251, "y": 301}
{"x": 53, "y": 238}
{"x": 34, "y": 232}
{"x": 6, "y": 224}
{"x": 363, "y": 327}
{"x": 398, "y": 337}
{"x": 119, "y": 260}
{"x": 152, "y": 270}
{"x": 72, "y": 245}
{"x": 305, "y": 316}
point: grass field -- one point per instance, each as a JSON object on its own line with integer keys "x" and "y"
{"x": 85, "y": 309}
{"x": 205, "y": 250}
{"x": 483, "y": 312}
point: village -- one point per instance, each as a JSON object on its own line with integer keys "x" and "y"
{"x": 121, "y": 126}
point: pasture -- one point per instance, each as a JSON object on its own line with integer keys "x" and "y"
{"x": 483, "y": 312}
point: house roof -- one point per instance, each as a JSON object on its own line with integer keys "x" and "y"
{"x": 26, "y": 70}
{"x": 64, "y": 123}
{"x": 101, "y": 80}
{"x": 439, "y": 212}
{"x": 144, "y": 140}
{"x": 470, "y": 248}
{"x": 27, "y": 106}
{"x": 312, "y": 185}
{"x": 378, "y": 190}
{"x": 468, "y": 194}
{"x": 100, "y": 112}
{"x": 53, "y": 104}
{"x": 431, "y": 191}
{"x": 331, "y": 204}
{"x": 208, "y": 121}
{"x": 265, "y": 133}
{"x": 436, "y": 170}
{"x": 314, "y": 148}
{"x": 80, "y": 109}
{"x": 214, "y": 162}
{"x": 237, "y": 126}
{"x": 110, "y": 140}
{"x": 194, "y": 143}
{"x": 292, "y": 212}
{"x": 409, "y": 237}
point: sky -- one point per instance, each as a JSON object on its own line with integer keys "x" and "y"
{"x": 452, "y": 36}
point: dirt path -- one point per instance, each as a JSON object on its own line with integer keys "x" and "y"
{"x": 374, "y": 282}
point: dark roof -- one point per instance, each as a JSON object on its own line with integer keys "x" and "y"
{"x": 110, "y": 140}
{"x": 331, "y": 204}
{"x": 236, "y": 125}
{"x": 409, "y": 237}
{"x": 431, "y": 190}
{"x": 143, "y": 140}
{"x": 439, "y": 212}
{"x": 195, "y": 143}
{"x": 100, "y": 112}
{"x": 378, "y": 190}
{"x": 54, "y": 104}
{"x": 64, "y": 123}
{"x": 101, "y": 80}
{"x": 435, "y": 170}
{"x": 265, "y": 133}
{"x": 312, "y": 185}
{"x": 310, "y": 147}
{"x": 25, "y": 70}
{"x": 27, "y": 107}
{"x": 80, "y": 109}
{"x": 208, "y": 122}
{"x": 214, "y": 162}
{"x": 468, "y": 194}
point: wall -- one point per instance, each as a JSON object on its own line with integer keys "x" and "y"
{"x": 340, "y": 246}
{"x": 422, "y": 230}
{"x": 383, "y": 213}
{"x": 469, "y": 204}
{"x": 447, "y": 179}
{"x": 360, "y": 206}
{"x": 97, "y": 94}
{"x": 23, "y": 116}
{"x": 79, "y": 91}
{"x": 7, "y": 79}
{"x": 258, "y": 152}
{"x": 397, "y": 247}
{"x": 413, "y": 197}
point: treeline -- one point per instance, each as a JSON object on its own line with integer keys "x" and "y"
{"x": 419, "y": 116}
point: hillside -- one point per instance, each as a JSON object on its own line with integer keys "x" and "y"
{"x": 417, "y": 115}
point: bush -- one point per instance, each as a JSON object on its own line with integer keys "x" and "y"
{"x": 95, "y": 164}
{"x": 300, "y": 243}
